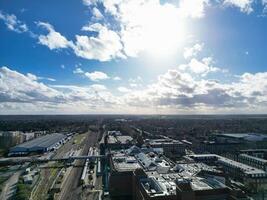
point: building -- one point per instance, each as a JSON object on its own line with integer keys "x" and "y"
{"x": 183, "y": 185}
{"x": 259, "y": 153}
{"x": 141, "y": 175}
{"x": 231, "y": 143}
{"x": 170, "y": 146}
{"x": 119, "y": 141}
{"x": 10, "y": 138}
{"x": 115, "y": 140}
{"x": 205, "y": 158}
{"x": 251, "y": 140}
{"x": 122, "y": 168}
{"x": 259, "y": 163}
{"x": 39, "y": 145}
{"x": 220, "y": 147}
{"x": 28, "y": 136}
{"x": 254, "y": 179}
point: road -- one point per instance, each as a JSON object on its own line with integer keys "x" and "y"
{"x": 10, "y": 186}
{"x": 71, "y": 189}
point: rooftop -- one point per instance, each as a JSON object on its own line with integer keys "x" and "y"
{"x": 243, "y": 167}
{"x": 121, "y": 139}
{"x": 43, "y": 141}
{"x": 165, "y": 184}
{"x": 135, "y": 157}
{"x": 158, "y": 186}
{"x": 253, "y": 158}
{"x": 164, "y": 141}
{"x": 192, "y": 169}
{"x": 246, "y": 136}
{"x": 122, "y": 162}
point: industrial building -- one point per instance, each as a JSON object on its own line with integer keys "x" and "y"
{"x": 221, "y": 146}
{"x": 169, "y": 145}
{"x": 249, "y": 140}
{"x": 115, "y": 140}
{"x": 254, "y": 179}
{"x": 231, "y": 143}
{"x": 148, "y": 175}
{"x": 259, "y": 153}
{"x": 241, "y": 137}
{"x": 259, "y": 163}
{"x": 39, "y": 145}
{"x": 144, "y": 173}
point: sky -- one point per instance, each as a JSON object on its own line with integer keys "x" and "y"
{"x": 133, "y": 57}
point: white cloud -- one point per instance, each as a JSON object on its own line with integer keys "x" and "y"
{"x": 47, "y": 78}
{"x": 193, "y": 8}
{"x": 264, "y": 10}
{"x": 202, "y": 67}
{"x": 16, "y": 87}
{"x": 173, "y": 92}
{"x": 138, "y": 79}
{"x": 123, "y": 89}
{"x": 78, "y": 70}
{"x": 35, "y": 78}
{"x": 252, "y": 85}
{"x": 97, "y": 14}
{"x": 135, "y": 82}
{"x": 133, "y": 85}
{"x": 116, "y": 78}
{"x": 192, "y": 51}
{"x": 244, "y": 5}
{"x": 96, "y": 27}
{"x": 96, "y": 75}
{"x": 13, "y": 23}
{"x": 21, "y": 93}
{"x": 53, "y": 40}
{"x": 148, "y": 26}
{"x": 104, "y": 47}
{"x": 98, "y": 87}
{"x": 182, "y": 92}
{"x": 32, "y": 77}
{"x": 89, "y": 2}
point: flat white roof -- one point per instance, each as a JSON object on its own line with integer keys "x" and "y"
{"x": 253, "y": 158}
{"x": 245, "y": 168}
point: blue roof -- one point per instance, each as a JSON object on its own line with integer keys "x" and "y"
{"x": 246, "y": 136}
{"x": 42, "y": 142}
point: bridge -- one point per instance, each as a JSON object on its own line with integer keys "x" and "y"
{"x": 20, "y": 160}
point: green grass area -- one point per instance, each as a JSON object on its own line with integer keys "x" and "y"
{"x": 53, "y": 172}
{"x": 3, "y": 152}
{"x": 79, "y": 138}
{"x": 23, "y": 191}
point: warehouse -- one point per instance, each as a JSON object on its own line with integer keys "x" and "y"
{"x": 40, "y": 145}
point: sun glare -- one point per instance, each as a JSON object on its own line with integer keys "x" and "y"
{"x": 158, "y": 30}
{"x": 164, "y": 32}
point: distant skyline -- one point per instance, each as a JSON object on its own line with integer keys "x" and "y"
{"x": 133, "y": 57}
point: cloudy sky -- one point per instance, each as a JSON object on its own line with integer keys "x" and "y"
{"x": 133, "y": 56}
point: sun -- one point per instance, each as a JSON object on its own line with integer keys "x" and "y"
{"x": 162, "y": 30}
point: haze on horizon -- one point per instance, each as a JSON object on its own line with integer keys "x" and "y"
{"x": 133, "y": 57}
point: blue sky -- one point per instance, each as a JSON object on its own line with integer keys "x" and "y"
{"x": 133, "y": 56}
